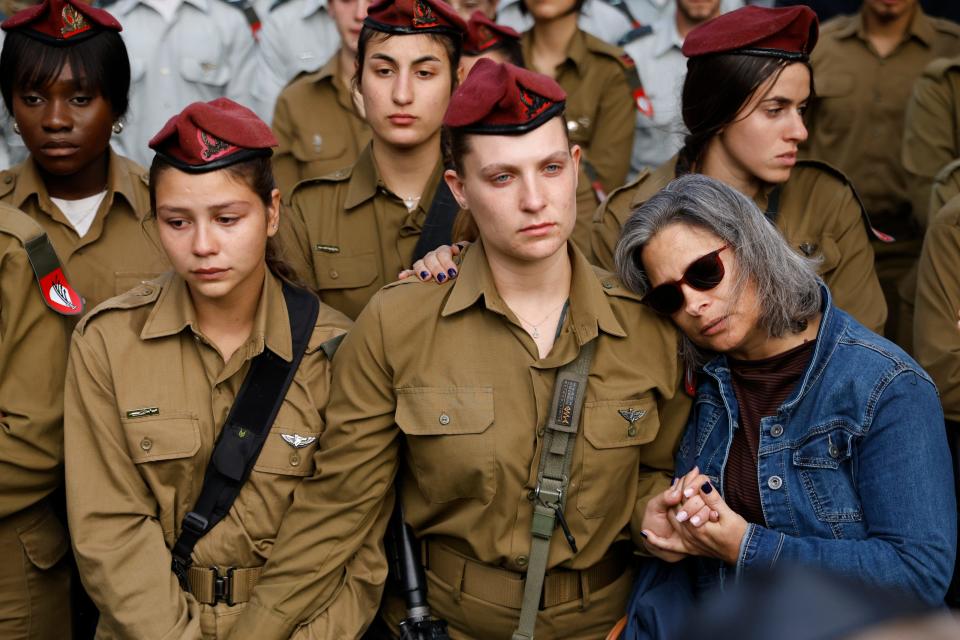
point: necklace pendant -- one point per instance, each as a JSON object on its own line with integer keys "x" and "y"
{"x": 536, "y": 333}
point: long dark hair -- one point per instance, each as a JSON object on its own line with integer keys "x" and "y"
{"x": 99, "y": 63}
{"x": 715, "y": 90}
{"x": 256, "y": 174}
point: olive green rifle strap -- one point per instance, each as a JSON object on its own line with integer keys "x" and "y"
{"x": 553, "y": 477}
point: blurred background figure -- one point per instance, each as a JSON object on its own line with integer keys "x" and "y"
{"x": 487, "y": 39}
{"x": 297, "y": 37}
{"x": 181, "y": 51}
{"x": 655, "y": 48}
{"x": 317, "y": 119}
{"x": 865, "y": 66}
{"x": 797, "y": 603}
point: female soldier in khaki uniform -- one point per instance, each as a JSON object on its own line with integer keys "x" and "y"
{"x": 449, "y": 390}
{"x": 153, "y": 374}
{"x": 34, "y": 575}
{"x": 747, "y": 136}
{"x": 316, "y": 120}
{"x": 351, "y": 232}
{"x": 65, "y": 76}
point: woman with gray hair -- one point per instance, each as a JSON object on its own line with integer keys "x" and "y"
{"x": 812, "y": 440}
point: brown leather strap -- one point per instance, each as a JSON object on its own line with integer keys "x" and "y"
{"x": 505, "y": 588}
{"x": 210, "y": 585}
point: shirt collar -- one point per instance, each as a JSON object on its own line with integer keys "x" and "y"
{"x": 124, "y": 7}
{"x": 576, "y": 51}
{"x": 666, "y": 35}
{"x": 119, "y": 181}
{"x": 365, "y": 180}
{"x": 589, "y": 310}
{"x": 174, "y": 311}
{"x": 920, "y": 28}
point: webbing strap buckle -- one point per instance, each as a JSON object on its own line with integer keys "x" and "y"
{"x": 195, "y": 523}
{"x": 223, "y": 587}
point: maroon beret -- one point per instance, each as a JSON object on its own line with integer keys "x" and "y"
{"x": 61, "y": 22}
{"x": 500, "y": 98}
{"x": 415, "y": 16}
{"x": 484, "y": 34}
{"x": 788, "y": 32}
{"x": 211, "y": 135}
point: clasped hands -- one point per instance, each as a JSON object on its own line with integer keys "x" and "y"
{"x": 692, "y": 519}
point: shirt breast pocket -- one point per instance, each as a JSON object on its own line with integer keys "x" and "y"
{"x": 836, "y": 91}
{"x": 824, "y": 465}
{"x": 339, "y": 271}
{"x": 613, "y": 431}
{"x": 451, "y": 451}
{"x": 210, "y": 75}
{"x": 320, "y": 146}
{"x": 164, "y": 450}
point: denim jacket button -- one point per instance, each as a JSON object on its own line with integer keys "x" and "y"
{"x": 776, "y": 430}
{"x": 833, "y": 451}
{"x": 775, "y": 482}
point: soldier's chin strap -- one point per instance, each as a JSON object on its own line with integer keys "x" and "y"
{"x": 553, "y": 477}
{"x": 246, "y": 429}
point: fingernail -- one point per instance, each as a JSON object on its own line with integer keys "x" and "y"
{"x": 688, "y": 492}
{"x": 682, "y": 516}
{"x": 424, "y": 275}
{"x": 695, "y": 521}
{"x": 441, "y": 277}
{"x": 707, "y": 487}
{"x": 452, "y": 273}
{"x": 644, "y": 534}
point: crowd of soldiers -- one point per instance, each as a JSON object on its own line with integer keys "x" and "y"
{"x": 128, "y": 123}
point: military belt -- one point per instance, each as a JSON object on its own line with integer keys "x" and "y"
{"x": 233, "y": 586}
{"x": 503, "y": 587}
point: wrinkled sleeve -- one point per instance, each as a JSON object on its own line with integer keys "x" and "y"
{"x": 854, "y": 282}
{"x": 294, "y": 242}
{"x": 907, "y": 497}
{"x": 928, "y": 140}
{"x": 936, "y": 337}
{"x": 33, "y": 356}
{"x": 345, "y": 506}
{"x": 612, "y": 141}
{"x": 117, "y": 538}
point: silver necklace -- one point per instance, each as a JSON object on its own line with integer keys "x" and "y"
{"x": 411, "y": 202}
{"x": 536, "y": 325}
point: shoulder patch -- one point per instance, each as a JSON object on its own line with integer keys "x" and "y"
{"x": 635, "y": 34}
{"x": 141, "y": 295}
{"x": 56, "y": 290}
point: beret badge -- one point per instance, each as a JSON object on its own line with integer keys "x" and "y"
{"x": 423, "y": 15}
{"x": 73, "y": 22}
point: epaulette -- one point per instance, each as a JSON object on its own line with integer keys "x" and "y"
{"x": 141, "y": 295}
{"x": 56, "y": 290}
{"x": 400, "y": 283}
{"x": 944, "y": 25}
{"x": 277, "y": 4}
{"x": 8, "y": 182}
{"x": 945, "y": 185}
{"x": 624, "y": 189}
{"x": 612, "y": 286}
{"x": 872, "y": 231}
{"x": 249, "y": 12}
{"x": 640, "y": 99}
{"x": 939, "y": 67}
{"x": 635, "y": 34}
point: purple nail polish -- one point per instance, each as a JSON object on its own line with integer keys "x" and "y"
{"x": 707, "y": 487}
{"x": 441, "y": 277}
{"x": 424, "y": 275}
{"x": 452, "y": 273}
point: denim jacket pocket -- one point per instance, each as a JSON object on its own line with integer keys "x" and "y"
{"x": 823, "y": 464}
{"x": 452, "y": 450}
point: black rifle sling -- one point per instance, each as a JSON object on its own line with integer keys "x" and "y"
{"x": 246, "y": 428}
{"x": 438, "y": 227}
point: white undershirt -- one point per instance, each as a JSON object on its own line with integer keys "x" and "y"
{"x": 81, "y": 212}
{"x": 166, "y": 8}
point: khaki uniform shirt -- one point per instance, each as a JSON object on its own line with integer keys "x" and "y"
{"x": 347, "y": 235}
{"x": 818, "y": 214}
{"x": 600, "y": 109}
{"x": 936, "y": 338}
{"x": 119, "y": 250}
{"x": 856, "y": 123}
{"x": 33, "y": 357}
{"x": 146, "y": 397}
{"x": 446, "y": 379}
{"x": 317, "y": 127}
{"x": 931, "y": 138}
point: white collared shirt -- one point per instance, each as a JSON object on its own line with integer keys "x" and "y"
{"x": 195, "y": 56}
{"x": 597, "y": 18}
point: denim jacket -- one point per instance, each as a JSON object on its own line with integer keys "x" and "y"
{"x": 854, "y": 470}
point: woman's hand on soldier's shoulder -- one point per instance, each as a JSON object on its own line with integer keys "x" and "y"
{"x": 438, "y": 265}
